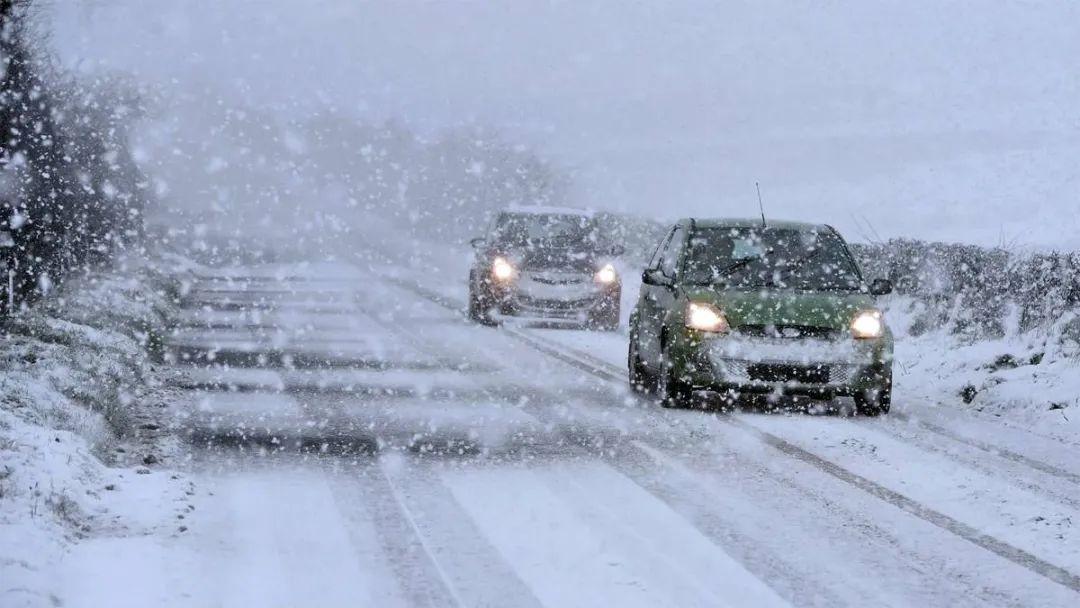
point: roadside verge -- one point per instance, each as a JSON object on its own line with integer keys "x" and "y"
{"x": 83, "y": 424}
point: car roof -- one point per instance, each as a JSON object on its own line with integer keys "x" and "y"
{"x": 751, "y": 223}
{"x": 547, "y": 210}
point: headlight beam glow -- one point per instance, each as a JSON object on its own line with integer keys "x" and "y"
{"x": 502, "y": 270}
{"x": 868, "y": 324}
{"x": 606, "y": 275}
{"x": 705, "y": 317}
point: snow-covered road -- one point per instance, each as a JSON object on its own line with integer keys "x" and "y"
{"x": 356, "y": 442}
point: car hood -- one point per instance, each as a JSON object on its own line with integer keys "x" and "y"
{"x": 769, "y": 307}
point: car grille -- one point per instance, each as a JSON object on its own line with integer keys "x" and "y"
{"x": 555, "y": 280}
{"x": 540, "y": 304}
{"x": 803, "y": 374}
{"x": 551, "y": 277}
{"x": 793, "y": 332}
{"x": 747, "y": 371}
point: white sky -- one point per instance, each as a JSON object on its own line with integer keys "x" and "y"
{"x": 949, "y": 120}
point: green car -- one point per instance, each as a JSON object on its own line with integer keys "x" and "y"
{"x": 741, "y": 308}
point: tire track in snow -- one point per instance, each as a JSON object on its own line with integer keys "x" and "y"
{"x": 1002, "y": 549}
{"x": 1021, "y": 480}
{"x": 1007, "y": 454}
{"x": 471, "y": 565}
{"x": 421, "y": 579}
{"x": 839, "y": 532}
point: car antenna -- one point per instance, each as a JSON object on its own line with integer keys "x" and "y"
{"x": 760, "y": 205}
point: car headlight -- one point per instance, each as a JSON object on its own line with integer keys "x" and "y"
{"x": 868, "y": 324}
{"x": 607, "y": 275}
{"x": 705, "y": 317}
{"x": 502, "y": 270}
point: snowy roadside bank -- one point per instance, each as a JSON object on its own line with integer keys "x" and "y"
{"x": 82, "y": 420}
{"x": 1027, "y": 379}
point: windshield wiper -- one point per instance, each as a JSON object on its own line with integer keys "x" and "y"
{"x": 732, "y": 268}
{"x": 800, "y": 262}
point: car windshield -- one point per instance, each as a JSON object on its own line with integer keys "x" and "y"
{"x": 806, "y": 259}
{"x": 522, "y": 229}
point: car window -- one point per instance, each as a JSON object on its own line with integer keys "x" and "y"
{"x": 654, "y": 262}
{"x": 670, "y": 259}
{"x": 527, "y": 228}
{"x": 799, "y": 258}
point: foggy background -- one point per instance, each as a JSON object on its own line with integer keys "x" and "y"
{"x": 948, "y": 121}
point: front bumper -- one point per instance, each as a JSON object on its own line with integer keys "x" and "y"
{"x": 571, "y": 296}
{"x": 818, "y": 368}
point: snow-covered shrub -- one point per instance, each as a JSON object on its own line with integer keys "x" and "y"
{"x": 87, "y": 346}
{"x": 975, "y": 291}
{"x": 71, "y": 193}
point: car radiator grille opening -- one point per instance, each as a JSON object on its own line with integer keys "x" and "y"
{"x": 825, "y": 374}
{"x": 788, "y": 331}
{"x": 803, "y": 374}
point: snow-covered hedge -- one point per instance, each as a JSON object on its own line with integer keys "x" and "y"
{"x": 71, "y": 194}
{"x": 980, "y": 292}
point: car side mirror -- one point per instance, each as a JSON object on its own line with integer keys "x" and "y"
{"x": 478, "y": 242}
{"x": 881, "y": 287}
{"x": 653, "y": 276}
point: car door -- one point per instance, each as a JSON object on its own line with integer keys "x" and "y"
{"x": 646, "y": 327}
{"x": 658, "y": 298}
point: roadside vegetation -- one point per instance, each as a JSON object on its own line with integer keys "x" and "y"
{"x": 82, "y": 306}
{"x": 71, "y": 195}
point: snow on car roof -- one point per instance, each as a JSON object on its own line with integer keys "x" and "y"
{"x": 546, "y": 210}
{"x": 750, "y": 223}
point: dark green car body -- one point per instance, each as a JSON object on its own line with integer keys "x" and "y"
{"x": 788, "y": 316}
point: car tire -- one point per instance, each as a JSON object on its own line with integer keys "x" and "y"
{"x": 874, "y": 401}
{"x": 670, "y": 390}
{"x": 641, "y": 380}
{"x": 478, "y": 309}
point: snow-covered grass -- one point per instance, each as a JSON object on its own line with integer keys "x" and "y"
{"x": 1025, "y": 378}
{"x": 81, "y": 417}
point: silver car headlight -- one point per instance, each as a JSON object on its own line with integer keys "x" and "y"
{"x": 606, "y": 275}
{"x": 502, "y": 269}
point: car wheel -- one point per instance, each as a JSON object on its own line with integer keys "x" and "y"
{"x": 874, "y": 401}
{"x": 640, "y": 379}
{"x": 478, "y": 309}
{"x": 670, "y": 389}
